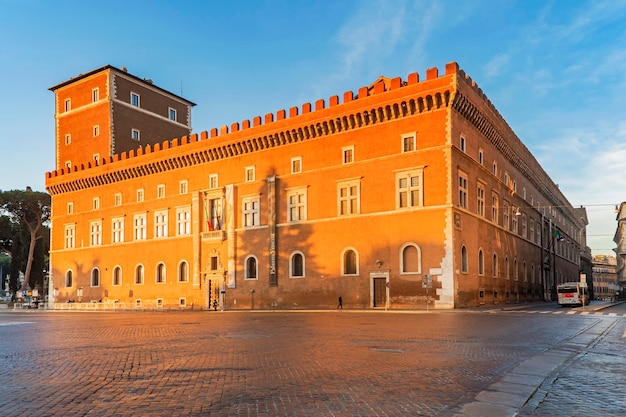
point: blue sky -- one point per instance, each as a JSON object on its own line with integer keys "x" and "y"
{"x": 556, "y": 70}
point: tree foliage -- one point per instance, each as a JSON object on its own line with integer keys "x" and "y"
{"x": 27, "y": 212}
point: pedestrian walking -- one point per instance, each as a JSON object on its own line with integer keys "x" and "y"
{"x": 340, "y": 305}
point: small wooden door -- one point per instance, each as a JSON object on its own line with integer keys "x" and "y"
{"x": 380, "y": 292}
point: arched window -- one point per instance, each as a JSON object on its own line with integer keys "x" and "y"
{"x": 463, "y": 259}
{"x": 68, "y": 278}
{"x": 494, "y": 266}
{"x": 410, "y": 259}
{"x": 160, "y": 273}
{"x": 296, "y": 265}
{"x": 350, "y": 262}
{"x": 183, "y": 271}
{"x": 139, "y": 274}
{"x": 95, "y": 277}
{"x": 251, "y": 267}
{"x": 506, "y": 268}
{"x": 481, "y": 262}
{"x": 117, "y": 275}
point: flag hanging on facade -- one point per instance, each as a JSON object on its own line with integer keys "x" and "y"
{"x": 208, "y": 218}
{"x": 557, "y": 234}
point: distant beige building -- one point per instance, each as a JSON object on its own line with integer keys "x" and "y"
{"x": 605, "y": 285}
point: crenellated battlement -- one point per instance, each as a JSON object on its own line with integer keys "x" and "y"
{"x": 306, "y": 121}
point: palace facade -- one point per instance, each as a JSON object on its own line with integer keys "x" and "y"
{"x": 407, "y": 193}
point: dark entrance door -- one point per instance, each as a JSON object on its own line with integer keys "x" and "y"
{"x": 380, "y": 292}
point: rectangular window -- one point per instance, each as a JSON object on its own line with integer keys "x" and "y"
{"x": 538, "y": 235}
{"x": 250, "y": 174}
{"x": 463, "y": 144}
{"x": 408, "y": 142}
{"x": 183, "y": 221}
{"x": 409, "y": 188}
{"x": 494, "y": 208}
{"x": 531, "y": 234}
{"x": 96, "y": 203}
{"x": 68, "y": 164}
{"x": 251, "y": 211}
{"x": 160, "y": 223}
{"x": 95, "y": 233}
{"x": 139, "y": 226}
{"x": 296, "y": 204}
{"x": 213, "y": 183}
{"x": 70, "y": 207}
{"x": 213, "y": 211}
{"x": 514, "y": 221}
{"x": 348, "y": 198}
{"x": 140, "y": 195}
{"x": 68, "y": 104}
{"x": 117, "y": 226}
{"x": 462, "y": 189}
{"x": 68, "y": 139}
{"x": 494, "y": 168}
{"x": 135, "y": 134}
{"x": 347, "y": 154}
{"x": 172, "y": 114}
{"x": 96, "y": 130}
{"x": 183, "y": 187}
{"x": 118, "y": 199}
{"x": 70, "y": 236}
{"x": 296, "y": 165}
{"x": 96, "y": 158}
{"x": 161, "y": 191}
{"x": 524, "y": 226}
{"x": 480, "y": 200}
{"x": 505, "y": 215}
{"x": 95, "y": 95}
{"x": 134, "y": 99}
{"x": 481, "y": 157}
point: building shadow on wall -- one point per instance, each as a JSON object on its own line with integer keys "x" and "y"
{"x": 288, "y": 273}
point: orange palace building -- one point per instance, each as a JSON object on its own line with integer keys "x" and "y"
{"x": 405, "y": 193}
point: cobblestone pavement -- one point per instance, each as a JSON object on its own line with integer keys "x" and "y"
{"x": 334, "y": 363}
{"x": 591, "y": 384}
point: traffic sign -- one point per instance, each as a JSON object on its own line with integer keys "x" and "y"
{"x": 427, "y": 281}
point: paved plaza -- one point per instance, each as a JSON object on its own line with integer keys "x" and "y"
{"x": 328, "y": 363}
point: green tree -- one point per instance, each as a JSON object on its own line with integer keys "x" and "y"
{"x": 29, "y": 209}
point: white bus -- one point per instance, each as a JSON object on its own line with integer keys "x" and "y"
{"x": 572, "y": 294}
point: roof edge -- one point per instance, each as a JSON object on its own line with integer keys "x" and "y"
{"x": 121, "y": 71}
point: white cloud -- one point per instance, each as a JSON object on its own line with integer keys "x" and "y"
{"x": 379, "y": 28}
{"x": 497, "y": 65}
